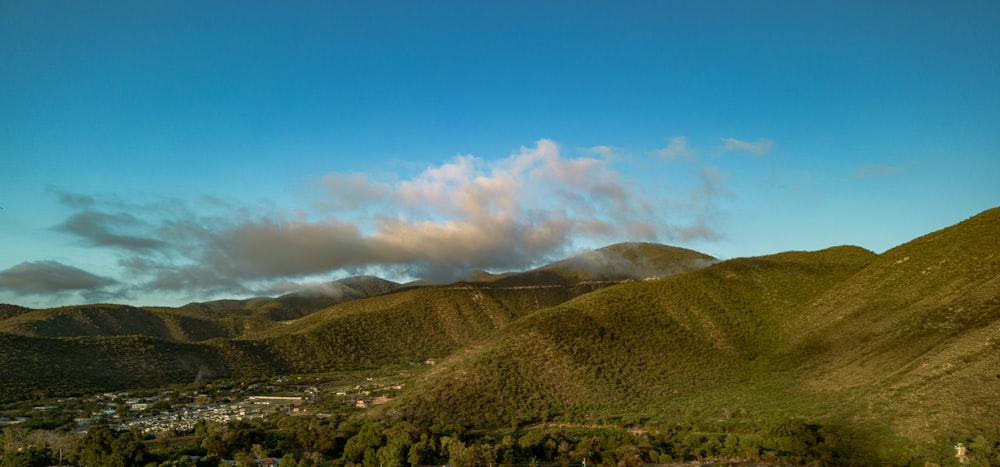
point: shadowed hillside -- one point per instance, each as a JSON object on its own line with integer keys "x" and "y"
{"x": 8, "y": 310}
{"x": 193, "y": 322}
{"x": 113, "y": 320}
{"x": 864, "y": 354}
{"x": 361, "y": 322}
{"x": 47, "y": 367}
{"x": 909, "y": 340}
{"x": 631, "y": 348}
{"x": 298, "y": 304}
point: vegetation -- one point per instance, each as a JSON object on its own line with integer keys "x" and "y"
{"x": 839, "y": 356}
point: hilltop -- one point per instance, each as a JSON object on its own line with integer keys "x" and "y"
{"x": 901, "y": 347}
{"x": 194, "y": 322}
{"x": 613, "y": 263}
{"x": 635, "y": 348}
{"x": 844, "y": 354}
{"x": 355, "y": 323}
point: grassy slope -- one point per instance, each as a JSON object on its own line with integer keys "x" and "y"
{"x": 432, "y": 322}
{"x": 907, "y": 340}
{"x": 194, "y": 322}
{"x": 37, "y": 366}
{"x": 844, "y": 335}
{"x": 400, "y": 325}
{"x": 413, "y": 325}
{"x": 179, "y": 325}
{"x": 916, "y": 335}
{"x": 634, "y": 347}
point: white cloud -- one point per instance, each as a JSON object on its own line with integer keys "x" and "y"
{"x": 467, "y": 213}
{"x": 677, "y": 148}
{"x": 607, "y": 152}
{"x": 760, "y": 147}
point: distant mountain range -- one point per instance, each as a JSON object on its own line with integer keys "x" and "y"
{"x": 906, "y": 342}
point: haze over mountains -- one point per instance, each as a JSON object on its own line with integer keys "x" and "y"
{"x": 906, "y": 342}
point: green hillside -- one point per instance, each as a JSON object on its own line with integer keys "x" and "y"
{"x": 848, "y": 356}
{"x": 904, "y": 344}
{"x": 356, "y": 323}
{"x": 298, "y": 304}
{"x": 179, "y": 325}
{"x": 194, "y": 322}
{"x": 636, "y": 347}
{"x": 35, "y": 367}
{"x": 916, "y": 335}
{"x": 409, "y": 326}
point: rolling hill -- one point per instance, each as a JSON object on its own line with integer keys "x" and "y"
{"x": 871, "y": 354}
{"x": 907, "y": 342}
{"x": 635, "y": 347}
{"x": 355, "y": 323}
{"x": 193, "y": 322}
{"x": 614, "y": 263}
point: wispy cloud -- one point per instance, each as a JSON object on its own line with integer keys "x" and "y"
{"x": 109, "y": 229}
{"x": 467, "y": 213}
{"x": 876, "y": 170}
{"x": 52, "y": 277}
{"x": 760, "y": 147}
{"x": 677, "y": 148}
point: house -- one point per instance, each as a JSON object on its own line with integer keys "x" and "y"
{"x": 361, "y": 404}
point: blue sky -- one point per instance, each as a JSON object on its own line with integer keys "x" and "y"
{"x": 165, "y": 152}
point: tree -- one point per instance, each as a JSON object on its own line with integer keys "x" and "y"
{"x": 94, "y": 447}
{"x": 243, "y": 459}
{"x": 13, "y": 438}
{"x": 181, "y": 461}
{"x": 16, "y": 459}
{"x": 398, "y": 439}
{"x": 289, "y": 460}
{"x": 369, "y": 437}
{"x": 422, "y": 452}
{"x": 59, "y": 443}
{"x": 103, "y": 447}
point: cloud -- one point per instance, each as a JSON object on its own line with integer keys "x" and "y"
{"x": 467, "y": 213}
{"x": 760, "y": 147}
{"x": 75, "y": 200}
{"x": 351, "y": 191}
{"x": 873, "y": 171}
{"x": 677, "y": 148}
{"x": 46, "y": 277}
{"x": 105, "y": 229}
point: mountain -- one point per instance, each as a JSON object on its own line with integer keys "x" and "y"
{"x": 8, "y": 310}
{"x": 303, "y": 302}
{"x": 855, "y": 356}
{"x": 355, "y": 323}
{"x": 614, "y": 263}
{"x": 906, "y": 344}
{"x": 193, "y": 322}
{"x": 634, "y": 348}
{"x": 915, "y": 336}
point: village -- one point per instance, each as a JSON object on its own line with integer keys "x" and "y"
{"x": 179, "y": 410}
{"x": 186, "y": 416}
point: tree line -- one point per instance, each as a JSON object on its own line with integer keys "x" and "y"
{"x": 311, "y": 442}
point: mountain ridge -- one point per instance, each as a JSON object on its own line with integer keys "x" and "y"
{"x": 839, "y": 335}
{"x": 247, "y": 338}
{"x": 905, "y": 343}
